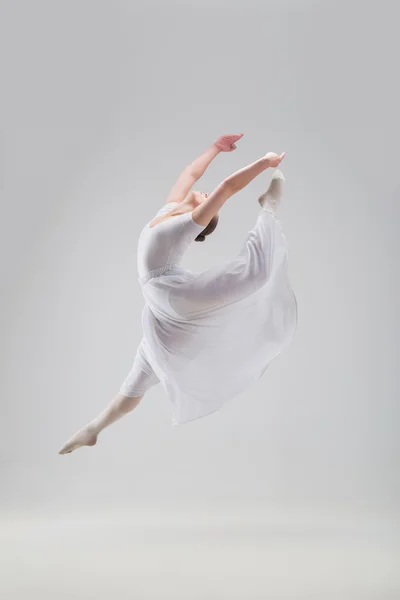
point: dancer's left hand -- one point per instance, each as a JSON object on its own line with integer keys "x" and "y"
{"x": 227, "y": 143}
{"x": 274, "y": 159}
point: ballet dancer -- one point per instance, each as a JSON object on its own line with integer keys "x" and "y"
{"x": 206, "y": 336}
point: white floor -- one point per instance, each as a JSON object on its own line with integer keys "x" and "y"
{"x": 200, "y": 556}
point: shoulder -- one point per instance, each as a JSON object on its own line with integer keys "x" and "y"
{"x": 169, "y": 206}
{"x": 166, "y": 208}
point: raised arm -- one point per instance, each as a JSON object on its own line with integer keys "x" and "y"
{"x": 203, "y": 213}
{"x": 196, "y": 169}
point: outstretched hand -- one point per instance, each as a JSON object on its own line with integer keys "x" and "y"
{"x": 274, "y": 159}
{"x": 226, "y": 143}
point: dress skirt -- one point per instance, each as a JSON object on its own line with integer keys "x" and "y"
{"x": 208, "y": 336}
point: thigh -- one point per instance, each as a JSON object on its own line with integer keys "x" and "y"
{"x": 236, "y": 278}
{"x": 140, "y": 378}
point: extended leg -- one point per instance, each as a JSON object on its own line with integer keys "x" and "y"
{"x": 243, "y": 275}
{"x": 139, "y": 380}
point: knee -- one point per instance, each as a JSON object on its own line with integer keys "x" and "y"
{"x": 128, "y": 403}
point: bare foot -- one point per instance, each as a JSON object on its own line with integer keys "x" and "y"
{"x": 86, "y": 436}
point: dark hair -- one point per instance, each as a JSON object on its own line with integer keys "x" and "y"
{"x": 208, "y": 230}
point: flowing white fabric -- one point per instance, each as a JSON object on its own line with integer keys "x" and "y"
{"x": 208, "y": 336}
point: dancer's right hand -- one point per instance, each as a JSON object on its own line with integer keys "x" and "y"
{"x": 274, "y": 159}
{"x": 226, "y": 143}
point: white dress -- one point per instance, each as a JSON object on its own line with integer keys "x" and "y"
{"x": 208, "y": 336}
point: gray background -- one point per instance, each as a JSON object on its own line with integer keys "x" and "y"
{"x": 292, "y": 489}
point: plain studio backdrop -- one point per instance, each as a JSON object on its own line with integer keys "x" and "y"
{"x": 292, "y": 489}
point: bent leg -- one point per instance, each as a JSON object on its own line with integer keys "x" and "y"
{"x": 138, "y": 381}
{"x": 140, "y": 378}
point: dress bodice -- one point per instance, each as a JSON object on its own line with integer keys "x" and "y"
{"x": 162, "y": 246}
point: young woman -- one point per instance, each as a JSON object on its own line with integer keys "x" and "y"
{"x": 206, "y": 336}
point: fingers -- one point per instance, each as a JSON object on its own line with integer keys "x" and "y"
{"x": 232, "y": 138}
{"x": 227, "y": 143}
{"x": 280, "y": 159}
